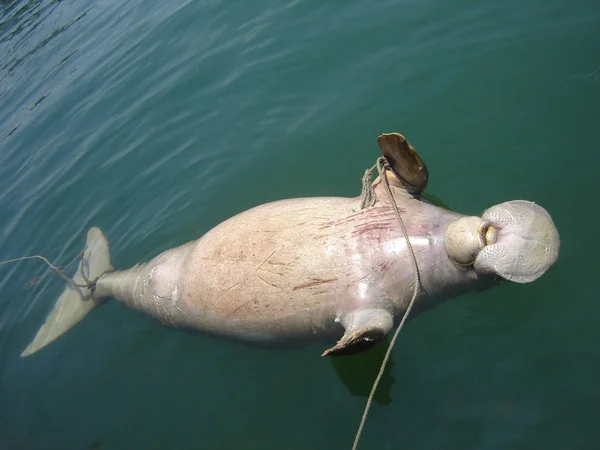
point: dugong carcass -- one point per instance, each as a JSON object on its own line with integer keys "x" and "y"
{"x": 323, "y": 268}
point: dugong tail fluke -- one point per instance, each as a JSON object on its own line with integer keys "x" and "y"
{"x": 75, "y": 302}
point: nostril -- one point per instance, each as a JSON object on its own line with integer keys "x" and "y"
{"x": 481, "y": 232}
{"x": 491, "y": 235}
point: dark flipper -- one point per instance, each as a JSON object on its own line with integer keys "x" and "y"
{"x": 404, "y": 161}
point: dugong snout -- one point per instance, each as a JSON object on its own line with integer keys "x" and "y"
{"x": 516, "y": 240}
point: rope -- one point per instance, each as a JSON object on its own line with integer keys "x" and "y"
{"x": 369, "y": 198}
{"x": 59, "y": 270}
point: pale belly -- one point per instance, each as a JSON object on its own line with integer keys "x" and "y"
{"x": 291, "y": 269}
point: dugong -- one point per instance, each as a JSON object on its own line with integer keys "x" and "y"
{"x": 326, "y": 268}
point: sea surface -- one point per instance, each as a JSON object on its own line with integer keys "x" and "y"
{"x": 157, "y": 120}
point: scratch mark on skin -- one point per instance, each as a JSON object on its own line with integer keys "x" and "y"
{"x": 376, "y": 213}
{"x": 241, "y": 306}
{"x": 231, "y": 287}
{"x": 165, "y": 315}
{"x": 324, "y": 291}
{"x": 223, "y": 258}
{"x": 371, "y": 227}
{"x": 270, "y": 284}
{"x": 316, "y": 282}
{"x": 385, "y": 266}
{"x": 295, "y": 211}
{"x": 276, "y": 263}
{"x": 378, "y": 273}
{"x": 261, "y": 264}
{"x": 218, "y": 300}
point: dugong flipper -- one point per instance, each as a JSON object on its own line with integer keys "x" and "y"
{"x": 404, "y": 161}
{"x": 363, "y": 329}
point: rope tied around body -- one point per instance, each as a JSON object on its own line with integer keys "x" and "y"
{"x": 368, "y": 199}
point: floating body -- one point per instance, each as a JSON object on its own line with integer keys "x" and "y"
{"x": 319, "y": 268}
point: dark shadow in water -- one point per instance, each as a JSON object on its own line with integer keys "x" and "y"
{"x": 358, "y": 373}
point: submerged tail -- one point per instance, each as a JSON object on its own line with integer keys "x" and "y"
{"x": 75, "y": 302}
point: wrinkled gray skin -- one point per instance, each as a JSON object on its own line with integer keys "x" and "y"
{"x": 322, "y": 268}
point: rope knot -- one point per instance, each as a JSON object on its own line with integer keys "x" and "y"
{"x": 368, "y": 197}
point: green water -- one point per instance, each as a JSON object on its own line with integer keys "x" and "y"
{"x": 158, "y": 120}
